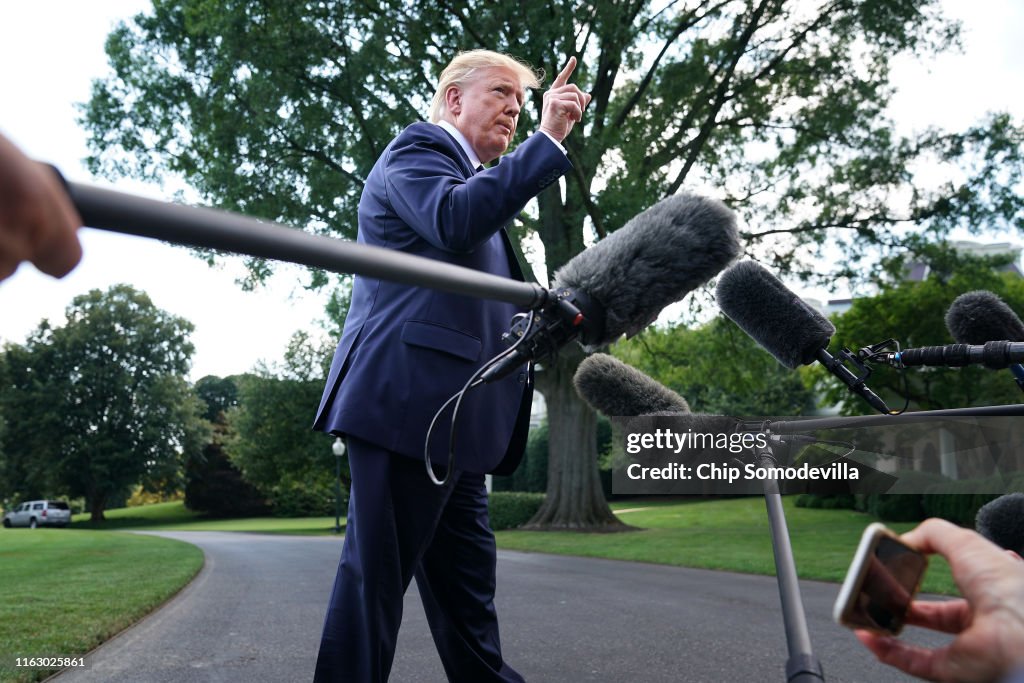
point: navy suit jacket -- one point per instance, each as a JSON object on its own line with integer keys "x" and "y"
{"x": 406, "y": 350}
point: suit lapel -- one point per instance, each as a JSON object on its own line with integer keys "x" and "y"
{"x": 514, "y": 265}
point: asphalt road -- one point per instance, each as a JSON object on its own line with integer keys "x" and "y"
{"x": 254, "y": 613}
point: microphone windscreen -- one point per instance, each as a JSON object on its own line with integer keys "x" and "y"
{"x": 654, "y": 260}
{"x": 615, "y": 389}
{"x": 1002, "y": 522}
{"x": 776, "y": 318}
{"x": 979, "y": 317}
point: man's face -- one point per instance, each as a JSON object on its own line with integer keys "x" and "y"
{"x": 486, "y": 110}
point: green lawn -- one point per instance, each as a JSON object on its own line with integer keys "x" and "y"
{"x": 730, "y": 534}
{"x": 64, "y": 592}
{"x": 176, "y": 517}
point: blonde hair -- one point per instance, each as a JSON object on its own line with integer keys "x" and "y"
{"x": 461, "y": 70}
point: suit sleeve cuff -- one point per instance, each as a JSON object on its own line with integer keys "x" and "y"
{"x": 549, "y": 136}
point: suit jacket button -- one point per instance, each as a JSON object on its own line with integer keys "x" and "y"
{"x": 522, "y": 378}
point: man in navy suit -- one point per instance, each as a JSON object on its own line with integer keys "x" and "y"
{"x": 406, "y": 350}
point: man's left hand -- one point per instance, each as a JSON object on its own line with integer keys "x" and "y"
{"x": 564, "y": 104}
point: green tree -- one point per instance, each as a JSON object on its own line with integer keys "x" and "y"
{"x": 220, "y": 394}
{"x": 718, "y": 369}
{"x": 273, "y": 444}
{"x": 213, "y": 484}
{"x": 100, "y": 404}
{"x": 913, "y": 313}
{"x": 279, "y": 109}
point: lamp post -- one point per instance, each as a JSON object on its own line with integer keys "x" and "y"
{"x": 338, "y": 448}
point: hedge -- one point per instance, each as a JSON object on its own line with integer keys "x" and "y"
{"x": 510, "y": 509}
{"x": 932, "y": 496}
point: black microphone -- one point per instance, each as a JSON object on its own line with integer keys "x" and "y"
{"x": 979, "y": 317}
{"x": 1002, "y": 522}
{"x": 621, "y": 284}
{"x": 785, "y": 325}
{"x": 994, "y": 355}
{"x": 615, "y": 389}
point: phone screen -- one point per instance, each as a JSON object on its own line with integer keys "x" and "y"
{"x": 892, "y": 575}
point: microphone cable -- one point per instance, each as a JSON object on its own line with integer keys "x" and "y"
{"x": 878, "y": 353}
{"x": 473, "y": 381}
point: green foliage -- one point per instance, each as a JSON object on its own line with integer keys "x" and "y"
{"x": 897, "y": 507}
{"x": 532, "y": 473}
{"x": 959, "y": 501}
{"x": 219, "y": 394}
{"x": 100, "y": 404}
{"x": 826, "y": 502}
{"x": 510, "y": 509}
{"x": 279, "y": 110}
{"x": 273, "y": 444}
{"x": 718, "y": 369}
{"x": 914, "y": 314}
{"x": 936, "y": 496}
{"x": 213, "y": 485}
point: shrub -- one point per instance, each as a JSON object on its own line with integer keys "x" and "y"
{"x": 510, "y": 509}
{"x": 215, "y": 487}
{"x": 843, "y": 501}
{"x": 905, "y": 503}
{"x": 959, "y": 501}
{"x": 312, "y": 500}
{"x": 140, "y": 497}
{"x": 897, "y": 507}
{"x": 532, "y": 473}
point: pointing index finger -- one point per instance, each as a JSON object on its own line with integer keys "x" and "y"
{"x": 563, "y": 77}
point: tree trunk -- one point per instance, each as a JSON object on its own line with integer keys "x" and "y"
{"x": 574, "y": 497}
{"x": 97, "y": 504}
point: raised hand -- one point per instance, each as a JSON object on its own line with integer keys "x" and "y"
{"x": 988, "y": 622}
{"x": 564, "y": 104}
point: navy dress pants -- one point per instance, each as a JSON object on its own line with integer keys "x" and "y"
{"x": 402, "y": 525}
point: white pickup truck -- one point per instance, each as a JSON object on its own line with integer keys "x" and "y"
{"x": 37, "y": 513}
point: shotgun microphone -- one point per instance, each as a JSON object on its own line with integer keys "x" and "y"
{"x": 785, "y": 325}
{"x": 979, "y": 317}
{"x": 621, "y": 284}
{"x": 994, "y": 355}
{"x": 615, "y": 389}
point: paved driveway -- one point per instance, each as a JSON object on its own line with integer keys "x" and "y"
{"x": 254, "y": 613}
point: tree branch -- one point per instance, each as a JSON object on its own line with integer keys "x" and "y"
{"x": 686, "y": 22}
{"x": 720, "y": 98}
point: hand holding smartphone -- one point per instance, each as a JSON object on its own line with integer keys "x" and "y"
{"x": 882, "y": 580}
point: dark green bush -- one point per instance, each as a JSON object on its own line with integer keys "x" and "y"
{"x": 825, "y": 502}
{"x": 215, "y": 487}
{"x": 905, "y": 502}
{"x": 959, "y": 501}
{"x": 532, "y": 473}
{"x": 510, "y": 509}
{"x": 897, "y": 507}
{"x": 314, "y": 500}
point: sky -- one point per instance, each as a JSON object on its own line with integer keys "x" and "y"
{"x": 51, "y": 50}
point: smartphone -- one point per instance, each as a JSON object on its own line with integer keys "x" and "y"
{"x": 883, "y": 578}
